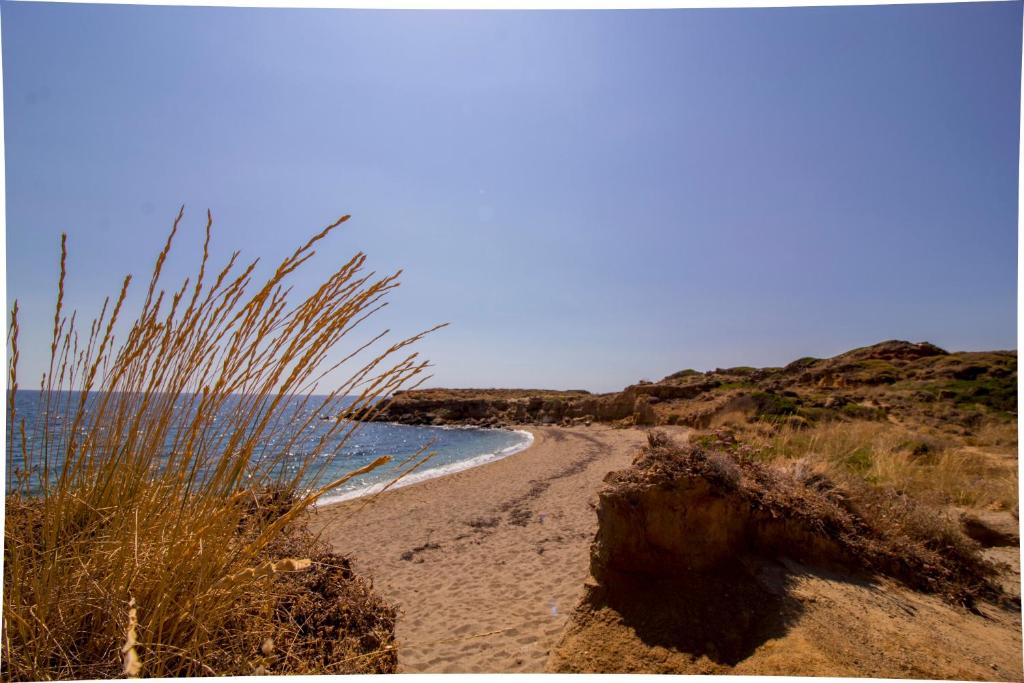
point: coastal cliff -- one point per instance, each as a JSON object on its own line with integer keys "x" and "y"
{"x": 504, "y": 407}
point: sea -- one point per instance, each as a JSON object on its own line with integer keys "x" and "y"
{"x": 452, "y": 448}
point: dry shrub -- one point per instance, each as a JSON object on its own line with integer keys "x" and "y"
{"x": 326, "y": 619}
{"x": 137, "y": 504}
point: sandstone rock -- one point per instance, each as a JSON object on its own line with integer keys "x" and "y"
{"x": 643, "y": 413}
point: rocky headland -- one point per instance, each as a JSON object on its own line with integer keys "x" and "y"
{"x": 920, "y": 381}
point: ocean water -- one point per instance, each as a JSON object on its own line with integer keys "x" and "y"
{"x": 453, "y": 448}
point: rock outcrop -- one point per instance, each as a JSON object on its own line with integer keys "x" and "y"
{"x": 502, "y": 407}
{"x": 686, "y": 509}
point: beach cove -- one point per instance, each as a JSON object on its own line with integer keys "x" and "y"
{"x": 487, "y": 563}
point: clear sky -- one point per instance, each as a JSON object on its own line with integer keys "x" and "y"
{"x": 590, "y": 198}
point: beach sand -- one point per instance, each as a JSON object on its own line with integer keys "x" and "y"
{"x": 486, "y": 564}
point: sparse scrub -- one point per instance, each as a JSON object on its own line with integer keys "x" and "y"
{"x": 935, "y": 470}
{"x": 856, "y": 411}
{"x": 996, "y": 393}
{"x": 727, "y": 386}
{"x": 683, "y": 374}
{"x": 131, "y": 542}
{"x": 770, "y": 406}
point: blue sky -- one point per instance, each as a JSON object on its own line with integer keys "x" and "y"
{"x": 589, "y": 197}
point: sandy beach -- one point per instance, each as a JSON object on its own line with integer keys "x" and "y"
{"x": 486, "y": 564}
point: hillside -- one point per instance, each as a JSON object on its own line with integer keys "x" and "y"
{"x": 892, "y": 380}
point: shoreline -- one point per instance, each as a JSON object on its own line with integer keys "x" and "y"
{"x": 488, "y": 562}
{"x": 426, "y": 474}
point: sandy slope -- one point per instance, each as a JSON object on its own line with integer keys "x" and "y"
{"x": 798, "y": 621}
{"x": 503, "y": 547}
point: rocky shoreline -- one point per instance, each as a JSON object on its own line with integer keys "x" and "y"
{"x": 510, "y": 408}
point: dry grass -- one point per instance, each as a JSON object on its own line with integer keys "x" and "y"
{"x": 995, "y": 435}
{"x": 124, "y": 551}
{"x": 936, "y": 470}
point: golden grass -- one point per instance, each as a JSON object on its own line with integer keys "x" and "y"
{"x": 980, "y": 472}
{"x": 123, "y": 553}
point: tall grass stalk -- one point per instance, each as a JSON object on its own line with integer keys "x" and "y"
{"x": 124, "y": 516}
